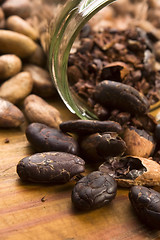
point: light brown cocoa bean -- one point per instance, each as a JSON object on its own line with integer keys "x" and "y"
{"x": 21, "y": 8}
{"x": 38, "y": 57}
{"x": 38, "y": 110}
{"x": 2, "y": 18}
{"x": 42, "y": 83}
{"x": 10, "y": 115}
{"x": 17, "y": 88}
{"x": 17, "y": 24}
{"x": 139, "y": 142}
{"x": 16, "y": 43}
{"x": 10, "y": 65}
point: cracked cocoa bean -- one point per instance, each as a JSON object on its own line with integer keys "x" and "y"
{"x": 94, "y": 191}
{"x": 50, "y": 167}
{"x": 139, "y": 142}
{"x": 117, "y": 95}
{"x": 44, "y": 138}
{"x": 83, "y": 127}
{"x": 132, "y": 170}
{"x": 146, "y": 203}
{"x": 99, "y": 146}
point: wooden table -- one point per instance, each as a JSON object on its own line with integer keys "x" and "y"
{"x": 44, "y": 212}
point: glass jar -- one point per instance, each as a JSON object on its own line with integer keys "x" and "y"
{"x": 59, "y": 23}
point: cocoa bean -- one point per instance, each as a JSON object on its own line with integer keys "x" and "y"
{"x": 2, "y": 18}
{"x": 50, "y": 167}
{"x": 99, "y": 146}
{"x": 45, "y": 139}
{"x": 38, "y": 57}
{"x": 16, "y": 43}
{"x": 10, "y": 65}
{"x": 13, "y": 7}
{"x": 10, "y": 115}
{"x": 38, "y": 110}
{"x": 84, "y": 127}
{"x": 17, "y": 24}
{"x": 146, "y": 203}
{"x": 17, "y": 88}
{"x": 139, "y": 142}
{"x": 42, "y": 83}
{"x": 121, "y": 96}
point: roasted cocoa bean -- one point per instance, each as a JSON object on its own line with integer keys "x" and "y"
{"x": 99, "y": 146}
{"x": 84, "y": 127}
{"x": 146, "y": 203}
{"x": 120, "y": 96}
{"x": 94, "y": 191}
{"x": 50, "y": 167}
{"x": 45, "y": 139}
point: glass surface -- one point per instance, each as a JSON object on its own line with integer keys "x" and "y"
{"x": 59, "y": 24}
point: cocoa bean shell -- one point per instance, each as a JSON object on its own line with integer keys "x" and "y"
{"x": 139, "y": 143}
{"x": 149, "y": 178}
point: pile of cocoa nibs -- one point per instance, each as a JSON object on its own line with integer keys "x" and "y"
{"x": 116, "y": 69}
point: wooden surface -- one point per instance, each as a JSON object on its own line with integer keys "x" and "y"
{"x": 44, "y": 212}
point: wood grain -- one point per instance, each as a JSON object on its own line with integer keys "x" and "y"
{"x": 44, "y": 212}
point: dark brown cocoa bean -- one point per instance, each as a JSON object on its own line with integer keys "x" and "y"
{"x": 100, "y": 146}
{"x": 146, "y": 203}
{"x": 50, "y": 167}
{"x": 120, "y": 96}
{"x": 94, "y": 191}
{"x": 82, "y": 127}
{"x": 45, "y": 139}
